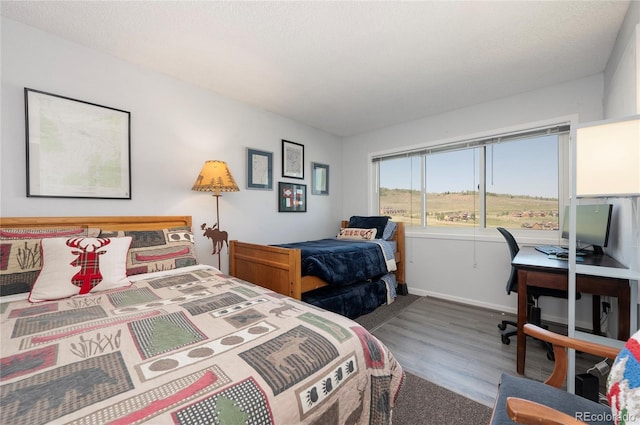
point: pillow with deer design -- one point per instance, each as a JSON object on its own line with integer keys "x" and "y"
{"x": 20, "y": 254}
{"x": 78, "y": 266}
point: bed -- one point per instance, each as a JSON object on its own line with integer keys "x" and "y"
{"x": 282, "y": 269}
{"x": 177, "y": 341}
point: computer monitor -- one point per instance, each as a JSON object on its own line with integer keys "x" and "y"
{"x": 593, "y": 223}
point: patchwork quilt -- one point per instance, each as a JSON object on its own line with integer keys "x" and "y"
{"x": 190, "y": 346}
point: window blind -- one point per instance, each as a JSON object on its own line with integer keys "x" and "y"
{"x": 471, "y": 143}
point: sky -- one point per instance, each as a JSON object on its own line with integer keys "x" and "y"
{"x": 523, "y": 167}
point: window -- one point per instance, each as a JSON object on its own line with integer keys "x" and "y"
{"x": 511, "y": 181}
{"x": 522, "y": 184}
{"x": 452, "y": 188}
{"x": 400, "y": 189}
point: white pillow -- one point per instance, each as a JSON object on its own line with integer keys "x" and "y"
{"x": 62, "y": 275}
{"x": 355, "y": 233}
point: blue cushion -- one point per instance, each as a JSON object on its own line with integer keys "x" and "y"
{"x": 377, "y": 222}
{"x": 578, "y": 407}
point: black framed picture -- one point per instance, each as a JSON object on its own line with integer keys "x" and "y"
{"x": 319, "y": 179}
{"x": 259, "y": 169}
{"x": 292, "y": 197}
{"x": 76, "y": 149}
{"x": 292, "y": 160}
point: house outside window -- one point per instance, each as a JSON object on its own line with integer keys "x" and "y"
{"x": 514, "y": 181}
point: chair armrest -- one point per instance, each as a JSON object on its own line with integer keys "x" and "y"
{"x": 528, "y": 412}
{"x": 560, "y": 344}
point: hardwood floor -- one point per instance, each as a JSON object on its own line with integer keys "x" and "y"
{"x": 458, "y": 347}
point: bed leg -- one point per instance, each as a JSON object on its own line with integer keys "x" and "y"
{"x": 402, "y": 289}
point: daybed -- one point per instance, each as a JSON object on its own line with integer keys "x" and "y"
{"x": 170, "y": 340}
{"x": 349, "y": 277}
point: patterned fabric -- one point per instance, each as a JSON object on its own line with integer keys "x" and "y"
{"x": 158, "y": 250}
{"x": 206, "y": 349}
{"x": 623, "y": 384}
{"x": 78, "y": 266}
{"x": 20, "y": 255}
{"x": 355, "y": 233}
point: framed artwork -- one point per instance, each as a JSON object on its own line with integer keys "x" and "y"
{"x": 319, "y": 179}
{"x": 76, "y": 149}
{"x": 259, "y": 169}
{"x": 292, "y": 197}
{"x": 292, "y": 160}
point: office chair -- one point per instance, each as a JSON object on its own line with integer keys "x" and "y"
{"x": 533, "y": 293}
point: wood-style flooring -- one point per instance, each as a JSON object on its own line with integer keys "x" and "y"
{"x": 458, "y": 347}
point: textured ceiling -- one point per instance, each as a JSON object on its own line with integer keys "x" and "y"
{"x": 346, "y": 67}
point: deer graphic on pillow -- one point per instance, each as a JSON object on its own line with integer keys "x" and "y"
{"x": 89, "y": 262}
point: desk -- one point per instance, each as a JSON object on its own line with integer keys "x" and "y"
{"x": 536, "y": 269}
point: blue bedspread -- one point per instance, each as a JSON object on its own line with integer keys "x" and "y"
{"x": 340, "y": 261}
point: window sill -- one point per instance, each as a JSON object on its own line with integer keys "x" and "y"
{"x": 524, "y": 237}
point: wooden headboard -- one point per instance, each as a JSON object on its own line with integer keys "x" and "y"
{"x": 104, "y": 223}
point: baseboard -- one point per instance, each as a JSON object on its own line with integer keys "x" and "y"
{"x": 495, "y": 307}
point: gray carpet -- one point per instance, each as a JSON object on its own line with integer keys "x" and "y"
{"x": 420, "y": 401}
{"x": 423, "y": 402}
{"x": 384, "y": 313}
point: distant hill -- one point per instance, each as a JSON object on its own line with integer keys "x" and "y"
{"x": 459, "y": 209}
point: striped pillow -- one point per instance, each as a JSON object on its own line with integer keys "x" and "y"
{"x": 158, "y": 250}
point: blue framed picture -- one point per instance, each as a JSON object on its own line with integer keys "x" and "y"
{"x": 319, "y": 179}
{"x": 259, "y": 169}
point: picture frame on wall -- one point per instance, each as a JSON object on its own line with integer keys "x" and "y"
{"x": 292, "y": 197}
{"x": 292, "y": 160}
{"x": 319, "y": 179}
{"x": 259, "y": 169}
{"x": 76, "y": 149}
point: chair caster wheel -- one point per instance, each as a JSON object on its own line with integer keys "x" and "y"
{"x": 502, "y": 326}
{"x": 506, "y": 340}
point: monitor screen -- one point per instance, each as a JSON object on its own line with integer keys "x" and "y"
{"x": 592, "y": 225}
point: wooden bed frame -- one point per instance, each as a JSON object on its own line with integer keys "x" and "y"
{"x": 279, "y": 269}
{"x": 105, "y": 223}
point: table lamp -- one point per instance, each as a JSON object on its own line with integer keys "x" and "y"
{"x": 215, "y": 177}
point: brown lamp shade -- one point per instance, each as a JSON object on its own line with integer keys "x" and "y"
{"x": 215, "y": 177}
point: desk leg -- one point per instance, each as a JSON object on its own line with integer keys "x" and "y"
{"x": 624, "y": 314}
{"x": 595, "y": 314}
{"x": 522, "y": 319}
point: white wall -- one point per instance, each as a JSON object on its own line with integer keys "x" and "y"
{"x": 175, "y": 127}
{"x": 622, "y": 74}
